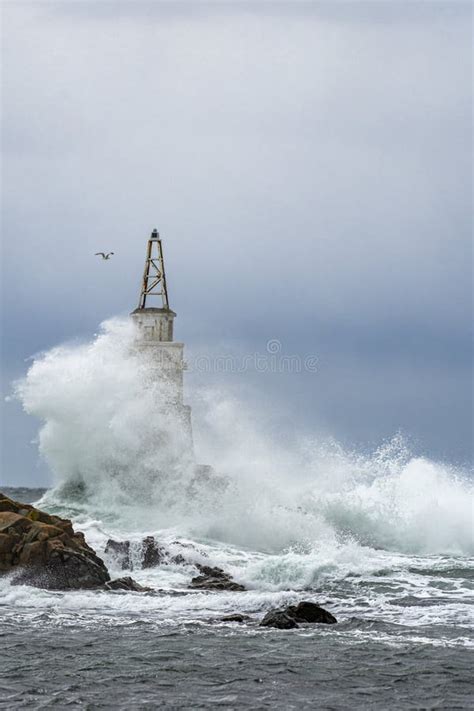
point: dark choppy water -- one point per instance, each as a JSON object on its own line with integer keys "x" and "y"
{"x": 404, "y": 638}
{"x": 62, "y": 664}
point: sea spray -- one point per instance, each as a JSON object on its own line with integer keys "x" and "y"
{"x": 115, "y": 450}
{"x": 106, "y": 429}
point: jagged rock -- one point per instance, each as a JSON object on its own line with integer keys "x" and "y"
{"x": 45, "y": 551}
{"x": 278, "y": 619}
{"x": 214, "y": 579}
{"x": 126, "y": 583}
{"x": 152, "y": 553}
{"x": 178, "y": 559}
{"x": 303, "y": 612}
{"x": 120, "y": 550}
{"x": 310, "y": 612}
{"x": 235, "y": 618}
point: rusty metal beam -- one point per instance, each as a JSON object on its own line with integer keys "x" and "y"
{"x": 154, "y": 273}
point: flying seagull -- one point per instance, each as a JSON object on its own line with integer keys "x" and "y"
{"x": 104, "y": 256}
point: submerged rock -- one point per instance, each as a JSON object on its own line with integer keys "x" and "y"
{"x": 278, "y": 619}
{"x": 214, "y": 579}
{"x": 45, "y": 551}
{"x": 127, "y": 583}
{"x": 235, "y": 618}
{"x": 302, "y": 613}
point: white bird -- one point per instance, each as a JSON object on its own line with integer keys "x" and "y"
{"x": 103, "y": 255}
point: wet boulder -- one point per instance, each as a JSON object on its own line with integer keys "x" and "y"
{"x": 45, "y": 551}
{"x": 214, "y": 579}
{"x": 278, "y": 619}
{"x": 310, "y": 612}
{"x": 127, "y": 584}
{"x": 304, "y": 612}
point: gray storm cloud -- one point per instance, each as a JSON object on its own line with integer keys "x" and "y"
{"x": 309, "y": 167}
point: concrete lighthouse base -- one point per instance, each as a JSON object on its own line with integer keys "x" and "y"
{"x": 165, "y": 366}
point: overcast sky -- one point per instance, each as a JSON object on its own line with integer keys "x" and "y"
{"x": 309, "y": 168}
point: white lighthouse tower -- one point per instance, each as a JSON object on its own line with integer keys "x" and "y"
{"x": 154, "y": 320}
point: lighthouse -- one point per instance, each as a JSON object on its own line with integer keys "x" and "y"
{"x": 154, "y": 321}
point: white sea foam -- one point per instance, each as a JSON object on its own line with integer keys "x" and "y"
{"x": 103, "y": 429}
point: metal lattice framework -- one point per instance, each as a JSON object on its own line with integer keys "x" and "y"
{"x": 154, "y": 277}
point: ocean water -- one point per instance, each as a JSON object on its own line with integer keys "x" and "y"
{"x": 382, "y": 540}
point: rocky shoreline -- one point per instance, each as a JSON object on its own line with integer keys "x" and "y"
{"x": 43, "y": 550}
